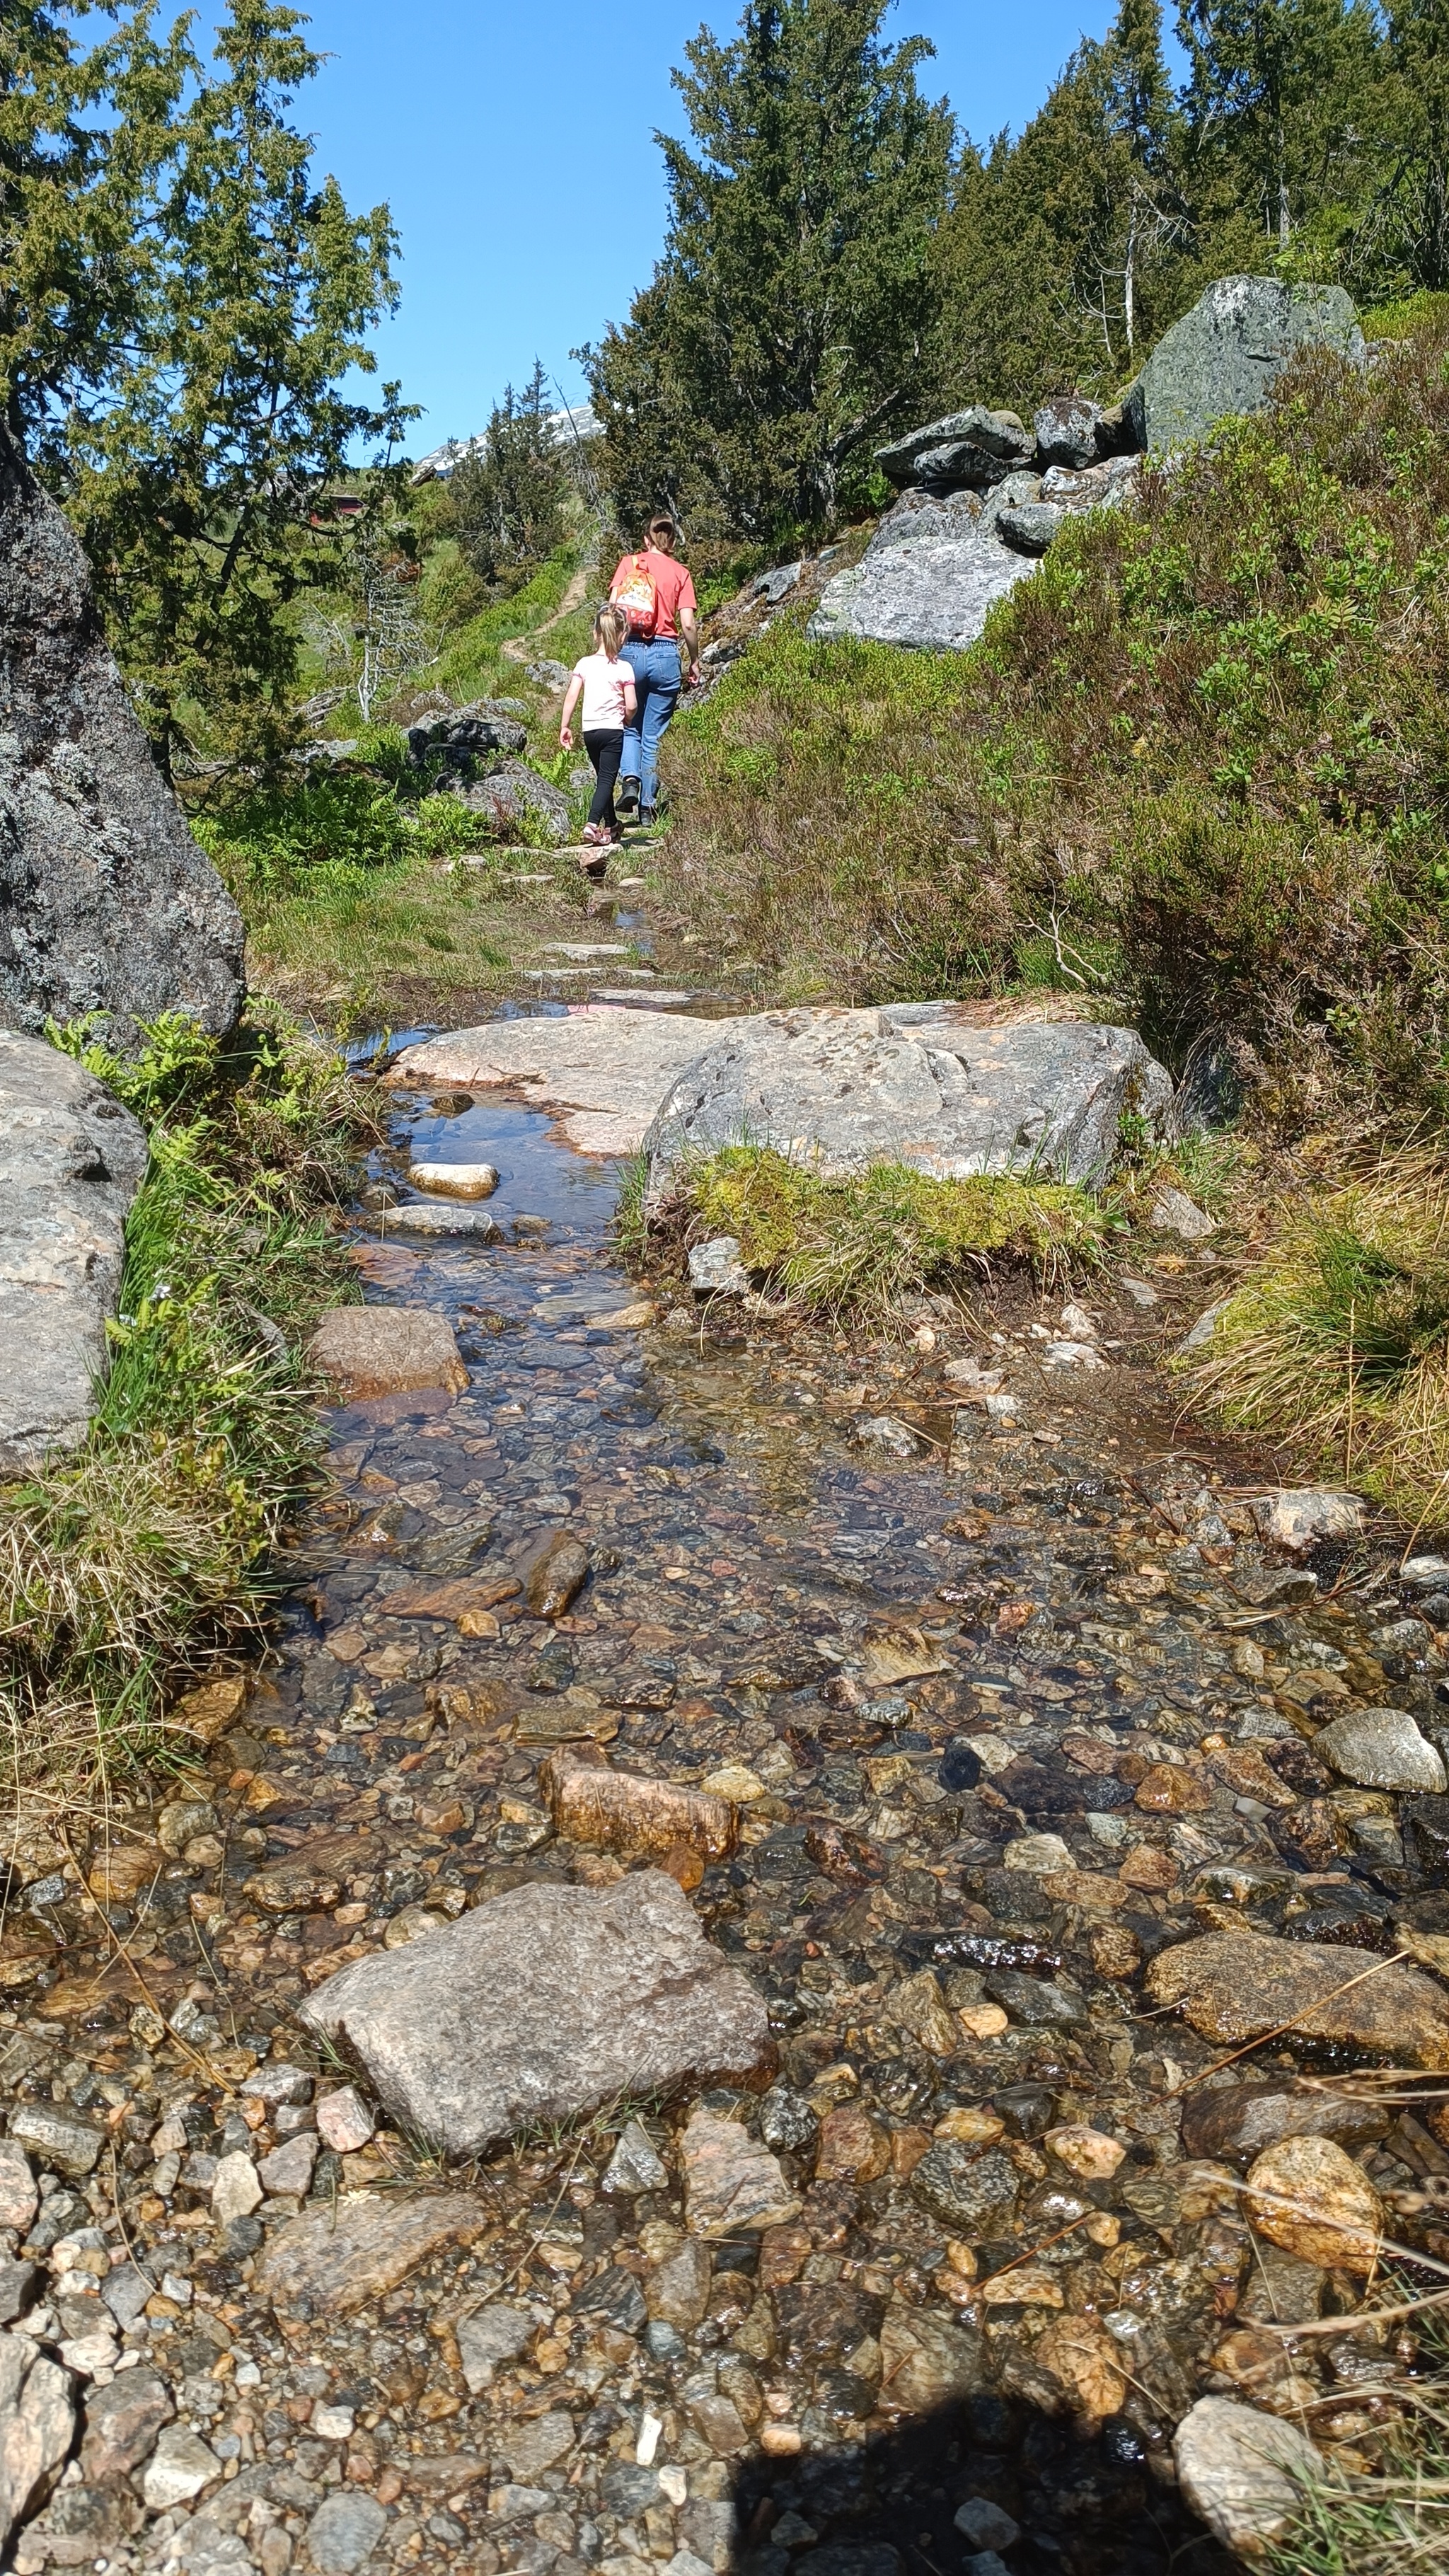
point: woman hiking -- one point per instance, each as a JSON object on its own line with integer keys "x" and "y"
{"x": 606, "y": 683}
{"x": 656, "y": 595}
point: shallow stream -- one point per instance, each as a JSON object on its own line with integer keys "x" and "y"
{"x": 1014, "y": 1722}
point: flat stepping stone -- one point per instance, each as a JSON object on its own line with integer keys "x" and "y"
{"x": 629, "y": 997}
{"x": 580, "y": 951}
{"x": 603, "y": 1071}
{"x": 387, "y": 1350}
{"x": 429, "y": 1218}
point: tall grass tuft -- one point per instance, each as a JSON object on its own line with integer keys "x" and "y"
{"x": 860, "y": 1244}
{"x": 130, "y": 1564}
{"x": 1339, "y": 1342}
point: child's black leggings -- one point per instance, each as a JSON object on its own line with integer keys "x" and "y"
{"x": 605, "y": 750}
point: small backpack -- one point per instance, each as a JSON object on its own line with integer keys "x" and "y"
{"x": 635, "y": 594}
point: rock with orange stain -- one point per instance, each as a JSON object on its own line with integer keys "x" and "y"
{"x": 853, "y": 2147}
{"x": 1170, "y": 1789}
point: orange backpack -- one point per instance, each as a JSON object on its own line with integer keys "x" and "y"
{"x": 635, "y": 594}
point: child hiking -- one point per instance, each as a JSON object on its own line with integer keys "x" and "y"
{"x": 656, "y": 595}
{"x": 606, "y": 684}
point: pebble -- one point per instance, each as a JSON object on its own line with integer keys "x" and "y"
{"x": 1380, "y": 1748}
{"x": 345, "y": 2530}
{"x": 731, "y": 2185}
{"x": 1308, "y": 2195}
{"x": 178, "y": 2468}
{"x": 1242, "y": 2471}
{"x": 344, "y": 2121}
{"x": 635, "y": 2165}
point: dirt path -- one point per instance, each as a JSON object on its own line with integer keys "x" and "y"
{"x": 519, "y": 648}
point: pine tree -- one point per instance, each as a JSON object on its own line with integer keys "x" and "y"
{"x": 788, "y": 324}
{"x": 507, "y": 498}
{"x": 1280, "y": 104}
{"x": 1063, "y": 248}
{"x": 180, "y": 302}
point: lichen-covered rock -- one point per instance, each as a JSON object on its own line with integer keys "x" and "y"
{"x": 71, "y": 1161}
{"x": 968, "y": 451}
{"x": 106, "y": 902}
{"x": 514, "y": 798}
{"x": 920, "y": 1083}
{"x": 1227, "y": 353}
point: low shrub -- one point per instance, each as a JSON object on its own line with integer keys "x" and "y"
{"x": 862, "y": 1243}
{"x": 131, "y": 1562}
{"x": 1338, "y": 1342}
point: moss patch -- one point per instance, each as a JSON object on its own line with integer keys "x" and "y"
{"x": 863, "y": 1242}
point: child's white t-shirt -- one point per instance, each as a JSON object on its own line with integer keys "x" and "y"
{"x": 604, "y": 685}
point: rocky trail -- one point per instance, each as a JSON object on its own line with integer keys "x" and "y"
{"x": 837, "y": 1838}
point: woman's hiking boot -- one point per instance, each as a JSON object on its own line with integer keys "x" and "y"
{"x": 627, "y": 795}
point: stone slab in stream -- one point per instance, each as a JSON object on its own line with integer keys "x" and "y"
{"x": 603, "y": 1071}
{"x": 71, "y": 1161}
{"x": 924, "y": 1083}
{"x": 543, "y": 2003}
{"x": 953, "y": 1087}
{"x": 106, "y": 901}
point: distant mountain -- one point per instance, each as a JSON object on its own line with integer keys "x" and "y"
{"x": 580, "y": 424}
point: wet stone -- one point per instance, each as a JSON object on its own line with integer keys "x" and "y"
{"x": 974, "y": 2195}
{"x": 1380, "y": 1748}
{"x": 731, "y": 2184}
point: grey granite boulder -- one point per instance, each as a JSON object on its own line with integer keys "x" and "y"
{"x": 919, "y": 586}
{"x": 467, "y": 734}
{"x": 71, "y": 1161}
{"x": 938, "y": 562}
{"x": 922, "y": 1083}
{"x": 106, "y": 902}
{"x": 546, "y": 2002}
{"x": 1073, "y": 430}
{"x": 1225, "y": 355}
{"x": 968, "y": 451}
{"x": 514, "y": 799}
{"x": 1030, "y": 529}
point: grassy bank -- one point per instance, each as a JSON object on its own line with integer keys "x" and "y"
{"x": 1197, "y": 765}
{"x": 862, "y": 1244}
{"x": 127, "y": 1567}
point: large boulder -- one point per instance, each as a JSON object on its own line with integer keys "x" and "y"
{"x": 968, "y": 451}
{"x": 924, "y": 1083}
{"x": 1226, "y": 354}
{"x": 932, "y": 571}
{"x": 938, "y": 563}
{"x": 106, "y": 902}
{"x": 514, "y": 799}
{"x": 71, "y": 1160}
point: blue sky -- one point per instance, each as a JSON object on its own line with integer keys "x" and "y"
{"x": 515, "y": 145}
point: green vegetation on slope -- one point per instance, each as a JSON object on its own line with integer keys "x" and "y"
{"x": 860, "y": 1243}
{"x": 130, "y": 1563}
{"x": 1197, "y": 766}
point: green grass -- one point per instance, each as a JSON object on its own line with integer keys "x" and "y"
{"x": 860, "y": 1244}
{"x": 1338, "y": 1342}
{"x": 1198, "y": 766}
{"x": 130, "y": 1564}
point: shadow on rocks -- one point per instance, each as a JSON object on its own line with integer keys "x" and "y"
{"x": 988, "y": 2487}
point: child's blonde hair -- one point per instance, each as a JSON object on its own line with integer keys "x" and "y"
{"x": 609, "y": 630}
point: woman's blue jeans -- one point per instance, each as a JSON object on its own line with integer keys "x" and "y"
{"x": 656, "y": 670}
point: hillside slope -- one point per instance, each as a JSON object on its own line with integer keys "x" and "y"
{"x": 1198, "y": 766}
